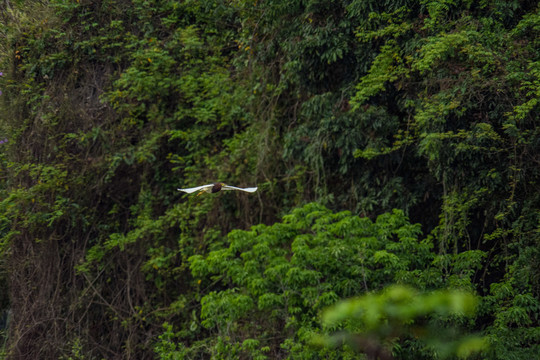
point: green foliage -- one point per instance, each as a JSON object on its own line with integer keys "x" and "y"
{"x": 112, "y": 107}
{"x": 272, "y": 282}
{"x": 397, "y": 312}
{"x": 429, "y": 107}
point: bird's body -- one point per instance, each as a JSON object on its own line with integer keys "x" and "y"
{"x": 216, "y": 187}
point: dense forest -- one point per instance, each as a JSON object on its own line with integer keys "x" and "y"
{"x": 395, "y": 146}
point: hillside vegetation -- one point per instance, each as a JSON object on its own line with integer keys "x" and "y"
{"x": 395, "y": 145}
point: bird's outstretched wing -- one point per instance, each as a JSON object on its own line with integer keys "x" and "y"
{"x": 249, "y": 189}
{"x": 195, "y": 189}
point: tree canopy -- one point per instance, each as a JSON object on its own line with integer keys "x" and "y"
{"x": 395, "y": 145}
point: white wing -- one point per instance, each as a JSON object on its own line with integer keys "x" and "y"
{"x": 195, "y": 189}
{"x": 228, "y": 187}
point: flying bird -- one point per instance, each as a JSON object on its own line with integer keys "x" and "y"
{"x": 215, "y": 187}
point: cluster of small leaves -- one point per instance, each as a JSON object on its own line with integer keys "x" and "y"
{"x": 375, "y": 320}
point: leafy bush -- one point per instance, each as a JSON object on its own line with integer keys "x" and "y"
{"x": 270, "y": 285}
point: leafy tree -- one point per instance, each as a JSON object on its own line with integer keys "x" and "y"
{"x": 263, "y": 293}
